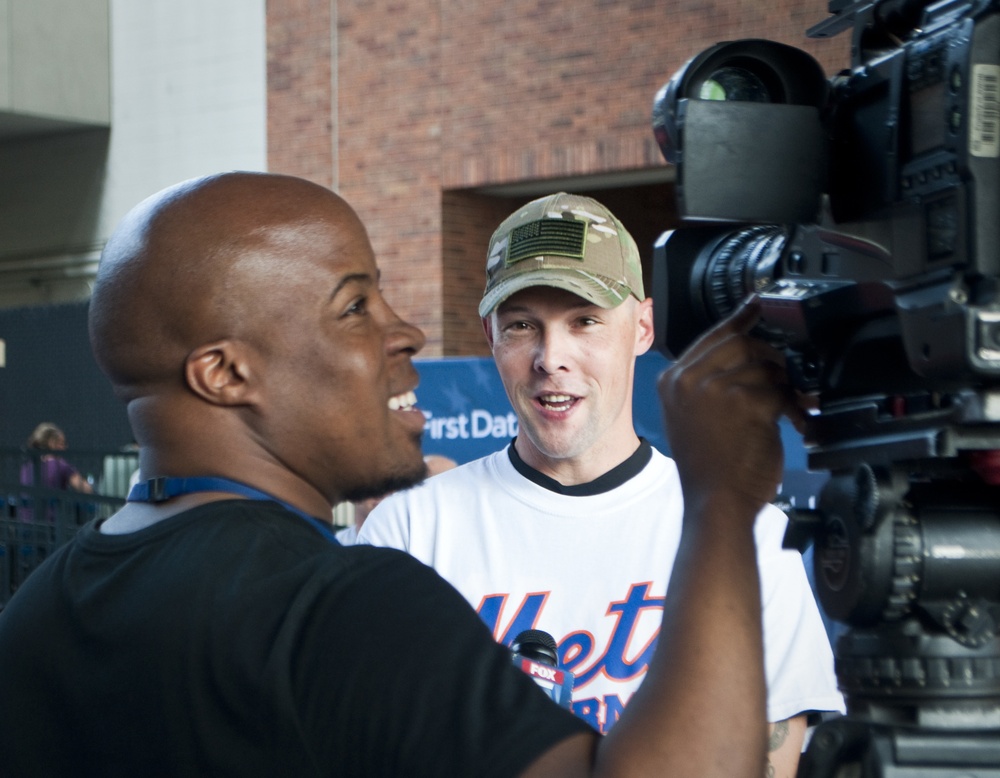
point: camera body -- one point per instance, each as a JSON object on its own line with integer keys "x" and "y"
{"x": 864, "y": 211}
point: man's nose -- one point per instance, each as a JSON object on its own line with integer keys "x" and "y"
{"x": 552, "y": 353}
{"x": 403, "y": 336}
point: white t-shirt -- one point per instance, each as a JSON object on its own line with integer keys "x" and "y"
{"x": 592, "y": 571}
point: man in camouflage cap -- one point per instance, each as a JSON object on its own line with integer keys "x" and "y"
{"x": 573, "y": 528}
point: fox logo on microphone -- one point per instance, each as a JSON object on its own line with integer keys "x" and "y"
{"x": 535, "y": 653}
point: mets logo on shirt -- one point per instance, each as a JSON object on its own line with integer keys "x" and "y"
{"x": 608, "y": 660}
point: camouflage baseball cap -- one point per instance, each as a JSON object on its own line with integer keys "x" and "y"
{"x": 567, "y": 241}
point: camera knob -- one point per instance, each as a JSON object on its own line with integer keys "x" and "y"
{"x": 871, "y": 485}
{"x": 866, "y": 496}
{"x": 971, "y": 623}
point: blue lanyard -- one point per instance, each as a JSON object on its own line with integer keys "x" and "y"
{"x": 163, "y": 488}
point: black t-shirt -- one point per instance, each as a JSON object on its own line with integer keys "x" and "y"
{"x": 234, "y": 639}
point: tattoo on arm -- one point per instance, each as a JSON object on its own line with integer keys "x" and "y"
{"x": 779, "y": 734}
{"x": 783, "y": 744}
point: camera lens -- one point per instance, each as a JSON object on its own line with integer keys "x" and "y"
{"x": 734, "y": 84}
{"x": 744, "y": 262}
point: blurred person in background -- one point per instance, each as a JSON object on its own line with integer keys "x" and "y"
{"x": 54, "y": 471}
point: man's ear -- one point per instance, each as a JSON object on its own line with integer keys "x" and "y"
{"x": 645, "y": 328}
{"x": 220, "y": 373}
{"x": 488, "y": 329}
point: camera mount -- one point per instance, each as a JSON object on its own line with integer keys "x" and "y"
{"x": 870, "y": 234}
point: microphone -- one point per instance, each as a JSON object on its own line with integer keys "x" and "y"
{"x": 535, "y": 653}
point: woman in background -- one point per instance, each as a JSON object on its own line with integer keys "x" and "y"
{"x": 56, "y": 472}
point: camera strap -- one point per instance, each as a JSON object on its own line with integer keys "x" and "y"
{"x": 164, "y": 488}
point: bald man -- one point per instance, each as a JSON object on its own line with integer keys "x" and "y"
{"x": 213, "y": 626}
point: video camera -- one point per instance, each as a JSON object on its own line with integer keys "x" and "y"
{"x": 878, "y": 195}
{"x": 864, "y": 211}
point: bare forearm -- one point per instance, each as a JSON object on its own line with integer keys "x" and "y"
{"x": 701, "y": 708}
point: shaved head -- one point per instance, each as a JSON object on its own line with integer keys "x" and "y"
{"x": 186, "y": 266}
{"x": 240, "y": 318}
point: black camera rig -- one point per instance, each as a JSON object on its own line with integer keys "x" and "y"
{"x": 864, "y": 211}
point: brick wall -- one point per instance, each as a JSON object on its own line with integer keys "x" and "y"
{"x": 300, "y": 93}
{"x": 436, "y": 100}
{"x": 469, "y": 220}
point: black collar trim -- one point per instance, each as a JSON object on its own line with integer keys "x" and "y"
{"x": 612, "y": 479}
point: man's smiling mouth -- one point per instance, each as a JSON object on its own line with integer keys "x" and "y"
{"x": 403, "y": 402}
{"x": 556, "y": 402}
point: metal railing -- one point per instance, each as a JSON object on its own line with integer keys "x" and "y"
{"x": 36, "y": 518}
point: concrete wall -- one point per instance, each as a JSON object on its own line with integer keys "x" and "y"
{"x": 54, "y": 60}
{"x": 189, "y": 87}
{"x": 187, "y": 97}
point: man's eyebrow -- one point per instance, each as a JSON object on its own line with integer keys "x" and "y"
{"x": 352, "y": 278}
